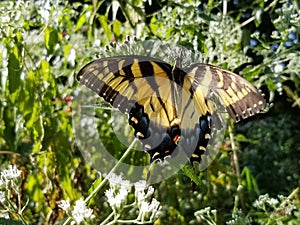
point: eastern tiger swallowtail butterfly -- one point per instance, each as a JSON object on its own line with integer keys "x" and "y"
{"x": 150, "y": 92}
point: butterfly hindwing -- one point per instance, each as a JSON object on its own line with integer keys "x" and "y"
{"x": 237, "y": 95}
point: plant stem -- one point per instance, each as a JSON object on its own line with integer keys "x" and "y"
{"x": 224, "y": 7}
{"x": 107, "y": 176}
{"x": 236, "y": 168}
{"x": 111, "y": 171}
{"x": 96, "y": 6}
{"x": 107, "y": 219}
{"x": 17, "y": 212}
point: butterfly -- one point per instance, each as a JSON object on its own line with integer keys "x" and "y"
{"x": 167, "y": 105}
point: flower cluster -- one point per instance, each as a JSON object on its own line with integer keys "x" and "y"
{"x": 206, "y": 215}
{"x": 264, "y": 200}
{"x": 238, "y": 217}
{"x": 117, "y": 196}
{"x": 10, "y": 177}
{"x": 10, "y": 181}
{"x": 282, "y": 205}
{"x": 118, "y": 199}
{"x": 152, "y": 208}
{"x": 79, "y": 213}
{"x": 118, "y": 192}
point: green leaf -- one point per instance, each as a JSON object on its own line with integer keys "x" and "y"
{"x": 50, "y": 39}
{"x": 33, "y": 185}
{"x": 104, "y": 23}
{"x": 63, "y": 156}
{"x": 29, "y": 94}
{"x": 62, "y": 222}
{"x": 9, "y": 119}
{"x": 190, "y": 172}
{"x": 46, "y": 73}
{"x": 154, "y": 25}
{"x": 93, "y": 187}
{"x": 14, "y": 74}
{"x": 80, "y": 22}
{"x": 250, "y": 181}
{"x": 117, "y": 27}
{"x": 206, "y": 17}
{"x": 67, "y": 49}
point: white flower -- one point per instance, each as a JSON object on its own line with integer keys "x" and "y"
{"x": 72, "y": 57}
{"x": 154, "y": 205}
{"x": 153, "y": 208}
{"x": 2, "y": 183}
{"x": 202, "y": 214}
{"x": 114, "y": 178}
{"x": 140, "y": 193}
{"x": 115, "y": 198}
{"x": 10, "y": 175}
{"x": 117, "y": 180}
{"x": 260, "y": 202}
{"x": 2, "y": 196}
{"x": 44, "y": 11}
{"x": 119, "y": 199}
{"x": 123, "y": 192}
{"x": 150, "y": 191}
{"x": 140, "y": 196}
{"x": 145, "y": 207}
{"x": 272, "y": 201}
{"x": 118, "y": 192}
{"x": 81, "y": 212}
{"x": 4, "y": 215}
{"x": 97, "y": 43}
{"x": 65, "y": 205}
{"x": 289, "y": 209}
{"x": 109, "y": 194}
{"x": 140, "y": 185}
{"x": 278, "y": 68}
{"x": 231, "y": 222}
{"x": 214, "y": 211}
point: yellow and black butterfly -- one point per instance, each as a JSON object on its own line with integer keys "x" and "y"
{"x": 168, "y": 105}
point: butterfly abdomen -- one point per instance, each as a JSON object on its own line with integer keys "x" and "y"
{"x": 139, "y": 120}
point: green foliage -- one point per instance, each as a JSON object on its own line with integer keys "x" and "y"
{"x": 9, "y": 222}
{"x": 44, "y": 43}
{"x": 279, "y": 152}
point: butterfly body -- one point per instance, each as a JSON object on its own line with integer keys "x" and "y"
{"x": 168, "y": 105}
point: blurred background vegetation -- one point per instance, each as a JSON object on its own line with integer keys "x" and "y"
{"x": 44, "y": 43}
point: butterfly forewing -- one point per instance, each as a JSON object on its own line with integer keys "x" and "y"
{"x": 122, "y": 79}
{"x": 143, "y": 88}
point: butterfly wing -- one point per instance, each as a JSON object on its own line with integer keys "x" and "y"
{"x": 142, "y": 87}
{"x": 213, "y": 89}
{"x": 166, "y": 103}
{"x": 236, "y": 94}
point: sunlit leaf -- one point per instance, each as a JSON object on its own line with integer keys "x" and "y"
{"x": 117, "y": 27}
{"x": 104, "y": 24}
{"x": 50, "y": 39}
{"x": 81, "y": 21}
